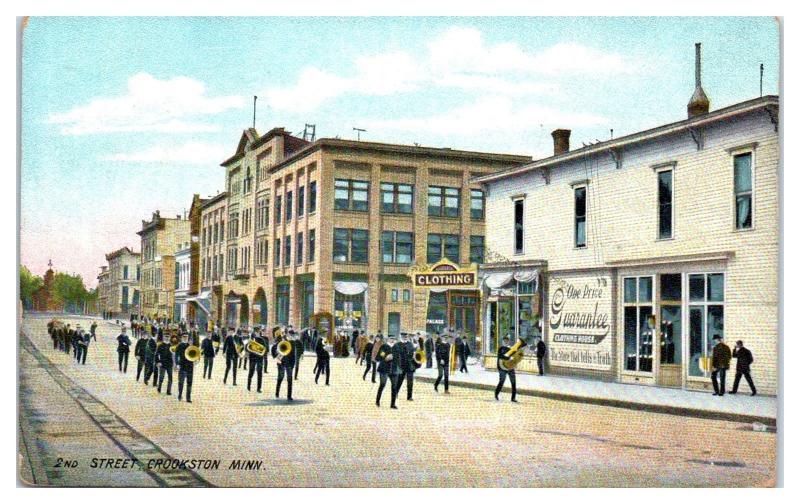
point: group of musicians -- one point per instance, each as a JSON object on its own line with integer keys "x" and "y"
{"x": 76, "y": 340}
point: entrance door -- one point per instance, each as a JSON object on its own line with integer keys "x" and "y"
{"x": 464, "y": 317}
{"x": 670, "y": 331}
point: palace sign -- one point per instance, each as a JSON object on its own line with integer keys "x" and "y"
{"x": 445, "y": 274}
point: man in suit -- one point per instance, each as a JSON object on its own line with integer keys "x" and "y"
{"x": 501, "y": 356}
{"x": 297, "y": 347}
{"x": 185, "y": 368}
{"x": 245, "y": 337}
{"x": 208, "y": 351}
{"x": 83, "y": 346}
{"x": 743, "y": 360}
{"x": 323, "y": 362}
{"x": 429, "y": 351}
{"x": 388, "y": 367}
{"x": 139, "y": 353}
{"x": 464, "y": 354}
{"x": 231, "y": 355}
{"x": 720, "y": 362}
{"x": 164, "y": 362}
{"x": 376, "y": 347}
{"x": 215, "y": 338}
{"x": 541, "y": 351}
{"x": 368, "y": 356}
{"x": 256, "y": 361}
{"x": 407, "y": 366}
{"x": 93, "y": 330}
{"x": 123, "y": 349}
{"x": 77, "y": 337}
{"x": 285, "y": 368}
{"x": 443, "y": 363}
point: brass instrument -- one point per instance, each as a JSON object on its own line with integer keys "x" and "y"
{"x": 192, "y": 353}
{"x": 173, "y": 348}
{"x": 419, "y": 357}
{"x": 257, "y": 348}
{"x": 215, "y": 344}
{"x": 239, "y": 349}
{"x": 514, "y": 354}
{"x": 284, "y": 348}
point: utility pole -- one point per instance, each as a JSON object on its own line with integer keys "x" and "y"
{"x": 254, "y": 111}
{"x": 761, "y": 81}
{"x": 358, "y": 132}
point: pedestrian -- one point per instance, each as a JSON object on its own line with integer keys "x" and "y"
{"x": 388, "y": 367}
{"x": 743, "y": 360}
{"x": 464, "y": 355}
{"x": 443, "y": 363}
{"x": 185, "y": 369}
{"x": 123, "y": 349}
{"x": 429, "y": 351}
{"x": 207, "y": 349}
{"x": 511, "y": 373}
{"x": 541, "y": 351}
{"x": 720, "y": 362}
{"x": 368, "y": 357}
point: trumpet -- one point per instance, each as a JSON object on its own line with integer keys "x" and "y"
{"x": 192, "y": 353}
{"x": 255, "y": 347}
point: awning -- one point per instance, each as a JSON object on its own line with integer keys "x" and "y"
{"x": 349, "y": 288}
{"x": 499, "y": 279}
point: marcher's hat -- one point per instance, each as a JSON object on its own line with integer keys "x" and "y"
{"x": 717, "y": 337}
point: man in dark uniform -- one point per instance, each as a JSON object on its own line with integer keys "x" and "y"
{"x": 501, "y": 356}
{"x": 285, "y": 367}
{"x": 429, "y": 351}
{"x": 231, "y": 355}
{"x": 443, "y": 364}
{"x": 207, "y": 349}
{"x": 123, "y": 349}
{"x": 388, "y": 367}
{"x": 743, "y": 360}
{"x": 256, "y": 361}
{"x": 87, "y": 338}
{"x": 139, "y": 353}
{"x": 164, "y": 361}
{"x": 376, "y": 347}
{"x": 464, "y": 354}
{"x": 185, "y": 368}
{"x": 407, "y": 366}
{"x": 323, "y": 362}
{"x": 297, "y": 348}
{"x": 215, "y": 338}
{"x": 368, "y": 356}
{"x": 93, "y": 330}
{"x": 720, "y": 362}
{"x": 150, "y": 357}
{"x": 77, "y": 337}
{"x": 541, "y": 351}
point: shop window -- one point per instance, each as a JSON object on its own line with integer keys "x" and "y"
{"x": 437, "y": 312}
{"x": 308, "y": 302}
{"x": 743, "y": 190}
{"x": 351, "y": 195}
{"x": 706, "y": 316}
{"x": 639, "y": 323}
{"x": 580, "y": 217}
{"x": 665, "y": 204}
{"x": 670, "y": 319}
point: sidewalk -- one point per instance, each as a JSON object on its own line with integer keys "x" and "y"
{"x": 739, "y": 408}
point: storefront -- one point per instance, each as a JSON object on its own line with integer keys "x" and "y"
{"x": 351, "y": 303}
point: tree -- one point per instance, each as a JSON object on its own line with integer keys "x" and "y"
{"x": 70, "y": 291}
{"x": 28, "y": 285}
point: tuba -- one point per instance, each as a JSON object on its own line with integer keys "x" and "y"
{"x": 514, "y": 354}
{"x": 192, "y": 353}
{"x": 255, "y": 347}
{"x": 419, "y": 357}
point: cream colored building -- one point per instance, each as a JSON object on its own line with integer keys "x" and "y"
{"x": 638, "y": 250}
{"x": 160, "y": 239}
{"x": 104, "y": 290}
{"x": 123, "y": 282}
{"x": 335, "y": 226}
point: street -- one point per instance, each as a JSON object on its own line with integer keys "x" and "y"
{"x": 335, "y": 436}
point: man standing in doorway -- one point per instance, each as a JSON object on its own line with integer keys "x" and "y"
{"x": 720, "y": 362}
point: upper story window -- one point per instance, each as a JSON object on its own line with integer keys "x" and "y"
{"x": 277, "y": 209}
{"x": 288, "y": 206}
{"x": 476, "y": 204}
{"x": 397, "y": 247}
{"x": 476, "y": 249}
{"x": 351, "y": 195}
{"x": 312, "y": 244}
{"x": 519, "y": 231}
{"x": 301, "y": 201}
{"x": 298, "y": 255}
{"x": 444, "y": 201}
{"x": 397, "y": 198}
{"x": 312, "y": 197}
{"x": 287, "y": 251}
{"x": 125, "y": 272}
{"x": 233, "y": 228}
{"x": 350, "y": 245}
{"x": 580, "y": 216}
{"x": 665, "y": 206}
{"x": 248, "y": 181}
{"x": 443, "y": 245}
{"x": 262, "y": 213}
{"x": 743, "y": 190}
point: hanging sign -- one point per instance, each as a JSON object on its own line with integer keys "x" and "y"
{"x": 445, "y": 274}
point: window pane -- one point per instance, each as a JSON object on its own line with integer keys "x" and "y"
{"x": 452, "y": 249}
{"x": 630, "y": 336}
{"x": 340, "y": 245}
{"x": 435, "y": 201}
{"x": 360, "y": 239}
{"x": 404, "y": 203}
{"x": 387, "y": 202}
{"x": 580, "y": 202}
{"x": 580, "y": 232}
{"x": 670, "y": 335}
{"x": 404, "y": 251}
{"x": 360, "y": 198}
{"x": 696, "y": 322}
{"x": 742, "y": 174}
{"x": 697, "y": 288}
{"x": 518, "y": 229}
{"x": 715, "y": 325}
{"x": 716, "y": 287}
{"x": 341, "y": 197}
{"x": 744, "y": 212}
{"x": 645, "y": 289}
{"x": 645, "y": 339}
{"x": 630, "y": 290}
{"x": 671, "y": 287}
{"x": 387, "y": 246}
{"x": 434, "y": 248}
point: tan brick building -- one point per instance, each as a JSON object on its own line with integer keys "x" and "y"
{"x": 160, "y": 239}
{"x": 104, "y": 290}
{"x": 123, "y": 293}
{"x": 636, "y": 251}
{"x": 335, "y": 225}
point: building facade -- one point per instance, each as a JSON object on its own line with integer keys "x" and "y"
{"x": 183, "y": 265}
{"x": 337, "y": 226}
{"x": 160, "y": 237}
{"x": 104, "y": 290}
{"x": 123, "y": 293}
{"x": 630, "y": 255}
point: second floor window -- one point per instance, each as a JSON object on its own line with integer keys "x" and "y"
{"x": 312, "y": 197}
{"x": 351, "y": 195}
{"x": 277, "y": 209}
{"x": 312, "y": 244}
{"x": 580, "y": 217}
{"x": 301, "y": 201}
{"x": 476, "y": 204}
{"x": 397, "y": 247}
{"x": 125, "y": 272}
{"x": 287, "y": 251}
{"x": 350, "y": 245}
{"x": 519, "y": 206}
{"x": 665, "y": 204}
{"x": 443, "y": 245}
{"x": 397, "y": 198}
{"x": 743, "y": 190}
{"x": 277, "y": 261}
{"x": 288, "y": 206}
{"x": 444, "y": 201}
{"x": 476, "y": 249}
{"x": 298, "y": 256}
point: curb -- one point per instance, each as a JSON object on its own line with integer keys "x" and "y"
{"x": 621, "y": 403}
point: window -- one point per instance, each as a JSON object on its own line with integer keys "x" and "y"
{"x": 580, "y": 216}
{"x": 406, "y": 295}
{"x": 222, "y": 230}
{"x": 351, "y": 195}
{"x": 397, "y": 247}
{"x": 706, "y": 316}
{"x": 743, "y": 190}
{"x": 301, "y": 201}
{"x": 395, "y": 295}
{"x": 312, "y": 197}
{"x": 476, "y": 249}
{"x": 287, "y": 251}
{"x": 397, "y": 198}
{"x": 288, "y": 206}
{"x": 665, "y": 204}
{"x": 233, "y": 229}
{"x": 441, "y": 245}
{"x": 476, "y": 204}
{"x": 518, "y": 229}
{"x": 444, "y": 201}
{"x": 639, "y": 323}
{"x": 350, "y": 245}
{"x": 262, "y": 252}
{"x": 312, "y": 244}
{"x": 298, "y": 256}
{"x": 277, "y": 261}
{"x": 138, "y": 273}
{"x": 125, "y": 272}
{"x": 262, "y": 213}
{"x": 277, "y": 209}
{"x": 248, "y": 181}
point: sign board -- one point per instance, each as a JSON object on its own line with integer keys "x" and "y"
{"x": 445, "y": 274}
{"x": 579, "y": 320}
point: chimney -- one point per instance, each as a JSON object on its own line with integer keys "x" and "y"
{"x": 560, "y": 141}
{"x": 699, "y": 103}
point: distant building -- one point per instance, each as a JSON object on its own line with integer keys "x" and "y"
{"x": 182, "y": 282}
{"x": 122, "y": 283}
{"x": 104, "y": 290}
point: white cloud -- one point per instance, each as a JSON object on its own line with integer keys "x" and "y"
{"x": 176, "y": 105}
{"x": 191, "y": 152}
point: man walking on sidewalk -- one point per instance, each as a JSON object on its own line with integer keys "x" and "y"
{"x": 541, "y": 351}
{"x": 720, "y": 362}
{"x": 743, "y": 360}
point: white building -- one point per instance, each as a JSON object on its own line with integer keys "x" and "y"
{"x": 635, "y": 252}
{"x": 183, "y": 270}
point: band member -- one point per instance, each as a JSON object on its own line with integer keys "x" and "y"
{"x": 367, "y": 356}
{"x": 464, "y": 353}
{"x": 216, "y": 340}
{"x": 245, "y": 339}
{"x": 150, "y": 356}
{"x": 541, "y": 351}
{"x": 407, "y": 366}
{"x": 443, "y": 364}
{"x": 429, "y": 351}
{"x": 123, "y": 349}
{"x": 376, "y": 347}
{"x": 164, "y": 362}
{"x": 256, "y": 361}
{"x": 388, "y": 367}
{"x": 51, "y": 330}
{"x": 77, "y": 335}
{"x": 93, "y": 330}
{"x": 207, "y": 349}
{"x": 231, "y": 355}
{"x": 84, "y": 347}
{"x": 323, "y": 362}
{"x": 139, "y": 353}
{"x": 185, "y": 368}
{"x": 501, "y": 356}
{"x": 285, "y": 367}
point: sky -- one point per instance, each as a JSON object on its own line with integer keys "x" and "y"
{"x": 125, "y": 116}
